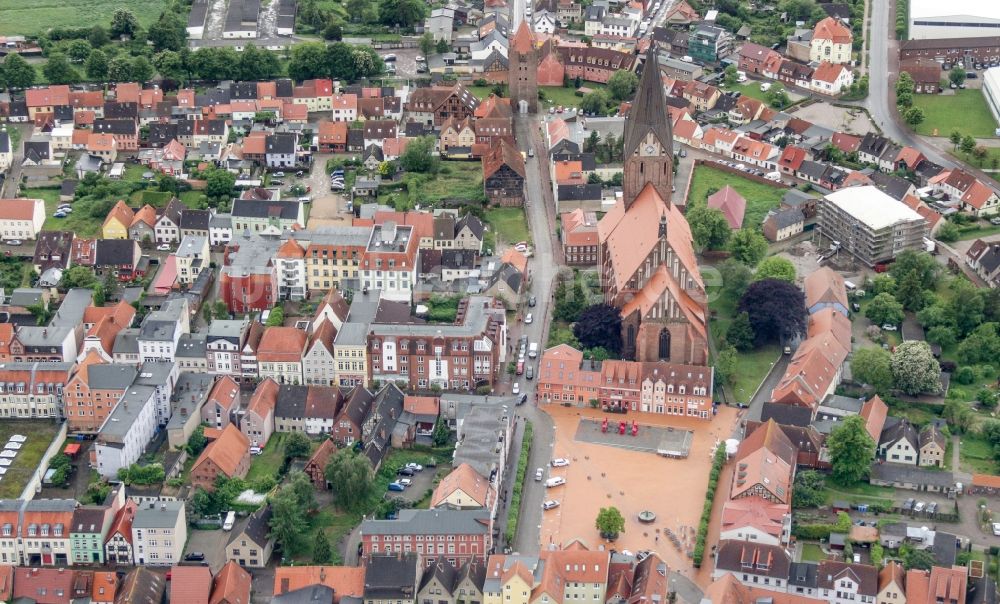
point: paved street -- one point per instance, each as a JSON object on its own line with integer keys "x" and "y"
{"x": 328, "y": 207}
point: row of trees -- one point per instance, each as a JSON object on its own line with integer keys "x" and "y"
{"x": 904, "y": 100}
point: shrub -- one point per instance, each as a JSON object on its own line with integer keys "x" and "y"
{"x": 965, "y": 375}
{"x": 515, "y": 498}
{"x": 706, "y": 512}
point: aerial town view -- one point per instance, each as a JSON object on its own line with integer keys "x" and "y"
{"x": 500, "y": 301}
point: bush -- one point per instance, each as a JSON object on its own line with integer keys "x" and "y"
{"x": 515, "y": 498}
{"x": 965, "y": 375}
{"x": 706, "y": 511}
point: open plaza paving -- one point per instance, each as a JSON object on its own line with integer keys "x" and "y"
{"x": 632, "y": 478}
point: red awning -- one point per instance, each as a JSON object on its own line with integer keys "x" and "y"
{"x": 72, "y": 449}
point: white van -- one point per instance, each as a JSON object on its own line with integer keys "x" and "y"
{"x": 555, "y": 481}
{"x": 533, "y": 350}
{"x": 850, "y": 286}
{"x": 230, "y": 521}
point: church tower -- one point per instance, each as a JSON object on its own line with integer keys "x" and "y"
{"x": 522, "y": 70}
{"x": 649, "y": 142}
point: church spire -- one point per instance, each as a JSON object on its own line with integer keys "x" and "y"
{"x": 649, "y": 108}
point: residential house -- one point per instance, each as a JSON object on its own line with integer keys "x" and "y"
{"x": 758, "y": 564}
{"x": 846, "y": 583}
{"x": 168, "y": 225}
{"x": 831, "y": 42}
{"x": 503, "y": 176}
{"x": 118, "y": 547}
{"x": 251, "y": 545}
{"x": 783, "y": 223}
{"x": 391, "y": 578}
{"x": 258, "y": 421}
{"x": 88, "y": 531}
{"x": 279, "y": 355}
{"x": 458, "y": 536}
{"x": 318, "y": 363}
{"x": 464, "y": 489}
{"x": 984, "y": 259}
{"x": 932, "y": 446}
{"x": 44, "y": 532}
{"x": 232, "y": 584}
{"x": 191, "y": 258}
{"x": 228, "y": 455}
{"x": 21, "y": 218}
{"x": 191, "y": 584}
{"x": 159, "y": 532}
{"x": 349, "y": 424}
{"x": 123, "y": 436}
{"x": 899, "y": 443}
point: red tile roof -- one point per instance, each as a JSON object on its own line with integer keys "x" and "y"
{"x": 190, "y": 584}
{"x": 832, "y": 29}
{"x": 282, "y": 344}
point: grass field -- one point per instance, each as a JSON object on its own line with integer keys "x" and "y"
{"x": 40, "y": 434}
{"x": 509, "y": 224}
{"x": 812, "y": 552}
{"x": 760, "y": 197}
{"x": 976, "y": 455}
{"x": 751, "y": 366}
{"x": 23, "y": 17}
{"x": 965, "y": 111}
{"x": 80, "y": 223}
{"x": 269, "y": 462}
{"x": 554, "y": 95}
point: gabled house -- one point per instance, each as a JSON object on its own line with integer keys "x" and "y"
{"x": 228, "y": 455}
{"x": 258, "y": 421}
{"x": 503, "y": 176}
{"x": 899, "y": 443}
{"x": 251, "y": 545}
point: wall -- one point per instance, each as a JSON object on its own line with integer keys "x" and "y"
{"x": 34, "y": 484}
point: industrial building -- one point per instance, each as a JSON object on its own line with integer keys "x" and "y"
{"x": 933, "y": 19}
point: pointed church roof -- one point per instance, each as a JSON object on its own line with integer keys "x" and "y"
{"x": 524, "y": 39}
{"x": 649, "y": 111}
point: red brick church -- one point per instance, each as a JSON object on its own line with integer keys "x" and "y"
{"x": 647, "y": 260}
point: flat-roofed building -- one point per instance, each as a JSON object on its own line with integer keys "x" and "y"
{"x": 871, "y": 225}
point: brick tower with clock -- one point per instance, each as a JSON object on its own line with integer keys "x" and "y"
{"x": 648, "y": 138}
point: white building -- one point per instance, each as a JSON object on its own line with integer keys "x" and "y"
{"x": 991, "y": 90}
{"x": 192, "y": 258}
{"x": 220, "y": 229}
{"x": 159, "y": 532}
{"x": 934, "y": 19}
{"x": 161, "y": 377}
{"x": 21, "y": 218}
{"x": 126, "y": 431}
{"x": 291, "y": 271}
{"x": 162, "y": 329}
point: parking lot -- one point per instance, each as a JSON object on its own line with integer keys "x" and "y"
{"x": 420, "y": 483}
{"x": 212, "y": 543}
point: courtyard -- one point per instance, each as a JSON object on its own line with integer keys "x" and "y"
{"x": 39, "y": 435}
{"x": 632, "y": 480}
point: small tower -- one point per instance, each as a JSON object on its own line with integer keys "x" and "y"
{"x": 649, "y": 141}
{"x": 522, "y": 70}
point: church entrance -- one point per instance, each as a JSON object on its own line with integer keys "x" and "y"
{"x": 522, "y": 106}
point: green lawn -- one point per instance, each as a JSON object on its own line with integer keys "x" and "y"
{"x": 750, "y": 89}
{"x": 812, "y": 552}
{"x": 975, "y": 232}
{"x": 80, "y": 223}
{"x": 269, "y": 462}
{"x": 976, "y": 455}
{"x": 965, "y": 111}
{"x": 859, "y": 493}
{"x": 760, "y": 197}
{"x": 509, "y": 224}
{"x": 22, "y": 17}
{"x": 751, "y": 367}
{"x": 554, "y": 95}
{"x": 40, "y": 434}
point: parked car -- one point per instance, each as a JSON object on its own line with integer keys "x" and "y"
{"x": 405, "y": 481}
{"x": 555, "y": 481}
{"x": 560, "y": 462}
{"x": 279, "y": 174}
{"x": 995, "y": 220}
{"x": 15, "y": 242}
{"x": 531, "y": 152}
{"x": 516, "y": 389}
{"x": 195, "y": 557}
{"x": 889, "y": 327}
{"x": 405, "y": 471}
{"x": 538, "y": 474}
{"x": 530, "y": 373}
{"x": 551, "y": 503}
{"x": 415, "y": 466}
{"x": 932, "y": 507}
{"x": 908, "y": 504}
{"x": 523, "y": 399}
{"x": 528, "y": 318}
{"x": 395, "y": 486}
{"x": 389, "y": 58}
{"x": 531, "y": 299}
{"x": 996, "y": 529}
{"x": 919, "y": 507}
{"x": 163, "y": 247}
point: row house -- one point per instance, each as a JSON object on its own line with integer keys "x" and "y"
{"x": 318, "y": 362}
{"x": 754, "y": 152}
{"x": 192, "y": 133}
{"x": 571, "y": 574}
{"x": 279, "y": 354}
{"x": 226, "y": 455}
{"x": 333, "y": 137}
{"x": 223, "y": 344}
{"x": 457, "y": 137}
{"x": 248, "y": 279}
{"x": 257, "y": 422}
{"x": 754, "y": 58}
{"x": 124, "y": 131}
{"x": 592, "y": 64}
{"x": 578, "y": 234}
{"x": 984, "y": 258}
{"x": 93, "y": 391}
{"x": 222, "y": 403}
{"x": 345, "y": 108}
{"x": 317, "y": 95}
{"x": 309, "y": 409}
{"x": 564, "y": 376}
{"x": 333, "y": 256}
{"x": 123, "y": 436}
{"x": 30, "y": 390}
{"x": 458, "y": 536}
{"x": 159, "y": 533}
{"x": 972, "y": 195}
{"x": 461, "y": 355}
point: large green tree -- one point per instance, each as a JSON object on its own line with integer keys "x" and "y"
{"x": 884, "y": 309}
{"x": 595, "y": 103}
{"x": 297, "y": 445}
{"x": 809, "y": 489}
{"x": 610, "y": 522}
{"x": 352, "y": 479}
{"x": 914, "y": 368}
{"x": 622, "y": 85}
{"x": 169, "y": 32}
{"x": 124, "y": 23}
{"x": 852, "y": 450}
{"x": 873, "y": 366}
{"x": 96, "y": 65}
{"x": 18, "y": 73}
{"x": 748, "y": 246}
{"x": 120, "y": 69}
{"x": 599, "y": 325}
{"x": 709, "y": 226}
{"x": 307, "y": 61}
{"x": 775, "y": 267}
{"x": 776, "y": 308}
{"x": 401, "y": 13}
{"x": 418, "y": 156}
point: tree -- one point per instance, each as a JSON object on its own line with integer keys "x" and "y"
{"x": 904, "y": 99}
{"x": 955, "y": 137}
{"x": 120, "y": 69}
{"x": 367, "y": 63}
{"x": 98, "y": 36}
{"x": 968, "y": 144}
{"x": 442, "y": 47}
{"x": 914, "y": 368}
{"x": 927, "y": 268}
{"x": 956, "y": 76}
{"x": 883, "y": 284}
{"x": 775, "y": 267}
{"x": 307, "y": 61}
{"x": 427, "y": 45}
{"x": 41, "y": 312}
{"x": 726, "y": 362}
{"x": 732, "y": 76}
{"x": 78, "y": 276}
{"x": 748, "y": 246}
{"x": 959, "y": 415}
{"x": 334, "y": 30}
{"x": 401, "y": 13}
{"x": 297, "y": 445}
{"x": 921, "y": 559}
{"x": 709, "y": 226}
{"x": 942, "y": 335}
{"x": 595, "y": 103}
{"x": 905, "y": 83}
{"x": 776, "y": 308}
{"x": 736, "y": 277}
{"x": 913, "y": 116}
{"x": 219, "y": 183}
{"x": 197, "y": 443}
{"x": 851, "y": 450}
{"x": 885, "y": 309}
{"x": 124, "y": 23}
{"x": 740, "y": 333}
{"x": 17, "y": 72}
{"x": 599, "y": 325}
{"x": 610, "y": 522}
{"x": 418, "y": 156}
{"x": 441, "y": 433}
{"x": 808, "y": 491}
{"x": 288, "y": 520}
{"x": 78, "y": 50}
{"x": 622, "y": 85}
{"x": 168, "y": 33}
{"x": 873, "y": 366}
{"x": 322, "y": 552}
{"x": 142, "y": 69}
{"x": 981, "y": 346}
{"x": 980, "y": 152}
{"x": 276, "y": 317}
{"x": 910, "y": 292}
{"x": 169, "y": 65}
{"x": 96, "y": 65}
{"x": 350, "y": 475}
